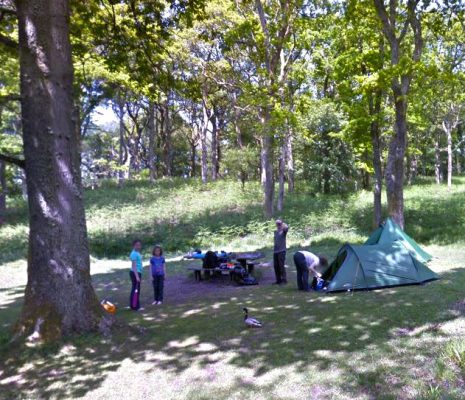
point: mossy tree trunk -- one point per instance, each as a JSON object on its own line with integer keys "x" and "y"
{"x": 59, "y": 297}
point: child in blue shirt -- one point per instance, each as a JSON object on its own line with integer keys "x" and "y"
{"x": 157, "y": 265}
{"x": 135, "y": 273}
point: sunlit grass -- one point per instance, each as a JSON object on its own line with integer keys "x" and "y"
{"x": 399, "y": 343}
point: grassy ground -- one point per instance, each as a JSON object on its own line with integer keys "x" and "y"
{"x": 402, "y": 343}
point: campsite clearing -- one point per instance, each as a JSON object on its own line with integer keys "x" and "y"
{"x": 397, "y": 343}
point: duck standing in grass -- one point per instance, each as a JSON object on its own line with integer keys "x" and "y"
{"x": 250, "y": 321}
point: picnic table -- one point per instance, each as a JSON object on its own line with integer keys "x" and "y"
{"x": 247, "y": 260}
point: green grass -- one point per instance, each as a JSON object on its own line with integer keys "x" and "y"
{"x": 400, "y": 343}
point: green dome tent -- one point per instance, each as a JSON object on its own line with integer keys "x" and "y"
{"x": 375, "y": 266}
{"x": 390, "y": 232}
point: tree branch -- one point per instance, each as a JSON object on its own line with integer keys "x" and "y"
{"x": 266, "y": 32}
{"x": 13, "y": 160}
{"x": 7, "y": 10}
{"x": 385, "y": 20}
{"x": 9, "y": 97}
{"x": 9, "y": 44}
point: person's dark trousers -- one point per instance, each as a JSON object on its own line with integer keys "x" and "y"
{"x": 302, "y": 271}
{"x": 134, "y": 300}
{"x": 158, "y": 282}
{"x": 279, "y": 261}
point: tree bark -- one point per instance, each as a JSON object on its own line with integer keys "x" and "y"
{"x": 289, "y": 160}
{"x": 395, "y": 162}
{"x": 2, "y": 191}
{"x": 437, "y": 160}
{"x": 281, "y": 177}
{"x": 203, "y": 142}
{"x": 215, "y": 166}
{"x": 400, "y": 86}
{"x": 193, "y": 159}
{"x": 122, "y": 147}
{"x": 237, "y": 117}
{"x": 375, "y": 109}
{"x": 59, "y": 297}
{"x": 448, "y": 132}
{"x": 267, "y": 164}
{"x": 167, "y": 145}
{"x": 151, "y": 130}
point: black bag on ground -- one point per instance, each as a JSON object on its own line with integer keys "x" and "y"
{"x": 242, "y": 277}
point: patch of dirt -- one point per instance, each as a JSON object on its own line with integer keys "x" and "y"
{"x": 181, "y": 289}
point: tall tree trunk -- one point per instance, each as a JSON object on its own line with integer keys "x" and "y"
{"x": 204, "y": 144}
{"x": 219, "y": 154}
{"x": 237, "y": 127}
{"x": 413, "y": 168}
{"x": 151, "y": 130}
{"x": 167, "y": 145}
{"x": 395, "y": 161}
{"x": 122, "y": 150}
{"x": 460, "y": 150}
{"x": 2, "y": 191}
{"x": 281, "y": 177}
{"x": 375, "y": 108}
{"x": 437, "y": 160}
{"x": 400, "y": 86}
{"x": 448, "y": 132}
{"x": 267, "y": 164}
{"x": 263, "y": 162}
{"x": 193, "y": 157}
{"x": 59, "y": 297}
{"x": 215, "y": 167}
{"x": 289, "y": 160}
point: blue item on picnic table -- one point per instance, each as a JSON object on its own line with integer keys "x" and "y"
{"x": 201, "y": 255}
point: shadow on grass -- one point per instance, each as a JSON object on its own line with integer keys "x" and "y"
{"x": 345, "y": 335}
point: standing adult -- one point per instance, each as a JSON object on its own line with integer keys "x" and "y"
{"x": 306, "y": 263}
{"x": 279, "y": 253}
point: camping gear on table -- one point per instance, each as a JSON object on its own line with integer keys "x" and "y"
{"x": 375, "y": 266}
{"x": 199, "y": 255}
{"x": 391, "y": 232}
{"x": 221, "y": 261}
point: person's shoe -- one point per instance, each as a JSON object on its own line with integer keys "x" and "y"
{"x": 160, "y": 303}
{"x": 283, "y": 283}
{"x": 276, "y": 283}
{"x": 154, "y": 303}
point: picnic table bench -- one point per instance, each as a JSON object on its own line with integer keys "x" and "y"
{"x": 197, "y": 269}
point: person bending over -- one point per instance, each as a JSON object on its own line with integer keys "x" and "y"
{"x": 279, "y": 253}
{"x": 307, "y": 263}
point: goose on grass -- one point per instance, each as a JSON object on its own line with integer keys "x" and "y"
{"x": 250, "y": 321}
